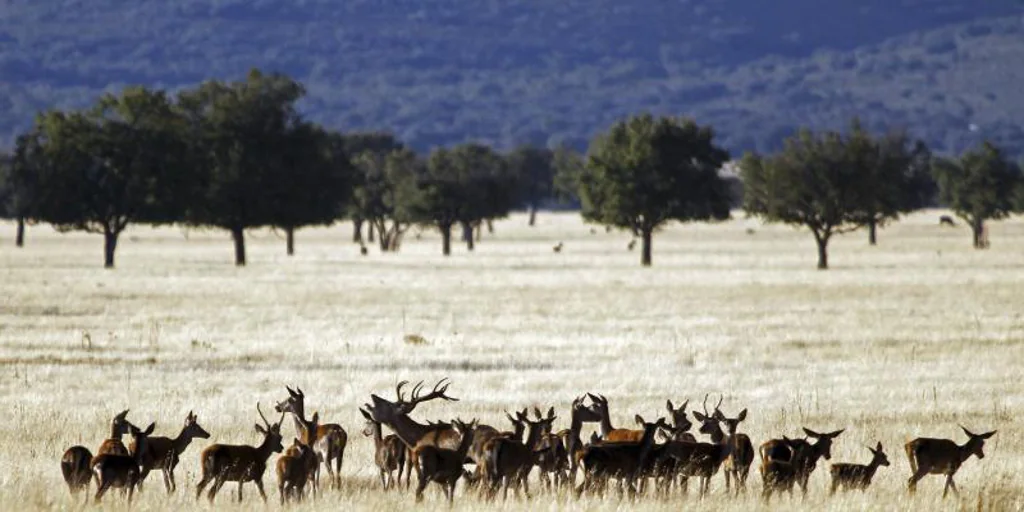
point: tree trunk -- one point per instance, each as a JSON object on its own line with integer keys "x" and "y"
{"x": 978, "y": 231}
{"x": 369, "y": 236}
{"x": 384, "y": 236}
{"x": 19, "y": 237}
{"x": 357, "y": 231}
{"x": 467, "y": 235}
{"x": 289, "y": 240}
{"x": 533, "y": 215}
{"x": 490, "y": 227}
{"x": 109, "y": 247}
{"x": 479, "y": 230}
{"x": 822, "y": 241}
{"x": 446, "y": 238}
{"x": 872, "y": 232}
{"x": 238, "y": 235}
{"x": 645, "y": 256}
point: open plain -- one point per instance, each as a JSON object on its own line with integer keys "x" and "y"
{"x": 901, "y": 340}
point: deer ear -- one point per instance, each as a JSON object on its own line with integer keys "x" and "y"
{"x": 718, "y": 415}
{"x": 988, "y": 435}
{"x": 260, "y": 429}
{"x": 699, "y": 416}
{"x": 149, "y": 429}
{"x": 668, "y": 405}
{"x": 742, "y": 416}
{"x": 879, "y": 446}
{"x": 835, "y": 434}
{"x": 811, "y": 433}
{"x": 639, "y": 420}
{"x": 551, "y": 412}
{"x": 316, "y": 417}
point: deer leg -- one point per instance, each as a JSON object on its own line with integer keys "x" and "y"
{"x": 912, "y": 483}
{"x": 240, "y": 491}
{"x": 202, "y": 483}
{"x": 167, "y": 483}
{"x": 282, "y": 490}
{"x": 337, "y": 464}
{"x": 101, "y": 490}
{"x": 259, "y": 487}
{"x": 420, "y": 485}
{"x": 526, "y": 484}
{"x": 217, "y": 484}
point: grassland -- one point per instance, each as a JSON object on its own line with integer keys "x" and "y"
{"x": 900, "y": 340}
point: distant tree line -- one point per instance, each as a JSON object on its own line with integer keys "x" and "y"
{"x": 238, "y": 155}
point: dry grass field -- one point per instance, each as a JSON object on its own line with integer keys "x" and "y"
{"x": 901, "y": 340}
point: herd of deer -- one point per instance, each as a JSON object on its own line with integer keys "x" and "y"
{"x": 662, "y": 453}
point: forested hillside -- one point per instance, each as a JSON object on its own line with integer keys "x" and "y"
{"x": 506, "y": 72}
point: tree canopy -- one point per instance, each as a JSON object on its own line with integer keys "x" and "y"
{"x": 979, "y": 186}
{"x": 646, "y": 171}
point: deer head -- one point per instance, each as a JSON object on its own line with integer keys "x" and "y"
{"x": 976, "y": 443}
{"x": 271, "y": 431}
{"x": 680, "y": 423}
{"x": 731, "y": 424}
{"x": 878, "y": 456}
{"x": 386, "y": 411}
{"x": 192, "y": 428}
{"x": 295, "y": 403}
{"x": 823, "y": 442}
{"x": 708, "y": 422}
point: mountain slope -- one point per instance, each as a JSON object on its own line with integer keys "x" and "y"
{"x": 443, "y": 71}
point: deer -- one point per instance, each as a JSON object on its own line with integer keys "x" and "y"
{"x": 551, "y": 456}
{"x": 779, "y": 475}
{"x": 164, "y": 453}
{"x": 297, "y": 465}
{"x": 946, "y": 220}
{"x": 507, "y": 461}
{"x": 119, "y": 426}
{"x": 558, "y": 248}
{"x": 485, "y": 433}
{"x": 622, "y": 460}
{"x": 389, "y": 451}
{"x": 122, "y": 471}
{"x": 942, "y": 457}
{"x": 741, "y": 450}
{"x": 396, "y": 416}
{"x": 74, "y": 465}
{"x": 571, "y": 437}
{"x": 240, "y": 463}
{"x": 781, "y": 450}
{"x": 331, "y": 438}
{"x": 608, "y": 432}
{"x": 858, "y": 476}
{"x": 443, "y": 465}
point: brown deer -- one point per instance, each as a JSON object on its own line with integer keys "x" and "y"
{"x": 389, "y": 451}
{"x": 442, "y": 465}
{"x": 396, "y": 416}
{"x": 240, "y": 463}
{"x": 508, "y": 461}
{"x": 942, "y": 457}
{"x": 294, "y": 470}
{"x": 164, "y": 453}
{"x": 780, "y": 475}
{"x": 946, "y": 220}
{"x": 608, "y": 432}
{"x": 74, "y": 464}
{"x": 782, "y": 450}
{"x": 858, "y": 476}
{"x": 485, "y": 433}
{"x": 571, "y": 438}
{"x": 681, "y": 425}
{"x": 331, "y": 438}
{"x": 741, "y": 450}
{"x": 622, "y": 460}
{"x": 121, "y": 471}
{"x": 113, "y": 445}
{"x": 550, "y": 453}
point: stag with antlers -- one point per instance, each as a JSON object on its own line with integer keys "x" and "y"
{"x": 396, "y": 416}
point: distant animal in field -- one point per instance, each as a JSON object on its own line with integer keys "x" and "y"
{"x": 750, "y": 231}
{"x": 946, "y": 220}
{"x": 558, "y": 247}
{"x": 363, "y": 250}
{"x": 942, "y": 457}
{"x": 631, "y": 245}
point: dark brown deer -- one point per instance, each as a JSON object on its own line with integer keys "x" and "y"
{"x": 294, "y": 470}
{"x": 483, "y": 434}
{"x": 331, "y": 438}
{"x": 946, "y": 220}
{"x": 396, "y": 416}
{"x": 442, "y": 465}
{"x": 508, "y": 461}
{"x": 608, "y": 432}
{"x": 942, "y": 457}
{"x": 571, "y": 438}
{"x": 858, "y": 476}
{"x": 164, "y": 453}
{"x": 113, "y": 445}
{"x": 549, "y": 451}
{"x": 74, "y": 464}
{"x": 121, "y": 471}
{"x": 780, "y": 475}
{"x": 240, "y": 463}
{"x": 741, "y": 451}
{"x": 781, "y": 450}
{"x": 681, "y": 424}
{"x": 389, "y": 452}
{"x": 624, "y": 461}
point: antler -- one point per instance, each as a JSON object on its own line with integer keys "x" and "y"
{"x": 438, "y": 392}
{"x": 264, "y": 417}
{"x": 705, "y": 405}
{"x": 398, "y": 390}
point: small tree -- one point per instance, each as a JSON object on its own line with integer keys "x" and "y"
{"x": 811, "y": 183}
{"x": 979, "y": 186}
{"x": 385, "y": 181}
{"x": 533, "y": 168}
{"x": 118, "y": 163}
{"x": 375, "y": 146}
{"x": 647, "y": 171}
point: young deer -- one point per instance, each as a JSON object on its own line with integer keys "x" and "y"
{"x": 331, "y": 438}
{"x": 122, "y": 471}
{"x": 622, "y": 460}
{"x": 164, "y": 453}
{"x": 240, "y": 463}
{"x": 508, "y": 461}
{"x": 294, "y": 470}
{"x": 780, "y": 475}
{"x": 549, "y": 451}
{"x": 113, "y": 445}
{"x": 741, "y": 450}
{"x": 782, "y": 450}
{"x": 74, "y": 464}
{"x": 482, "y": 435}
{"x": 389, "y": 451}
{"x": 608, "y": 432}
{"x": 942, "y": 457}
{"x": 858, "y": 476}
{"x": 681, "y": 425}
{"x": 442, "y": 465}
